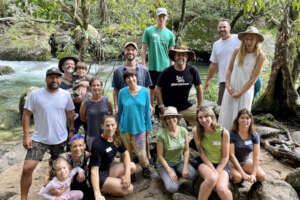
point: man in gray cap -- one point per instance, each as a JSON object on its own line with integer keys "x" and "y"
{"x": 130, "y": 53}
{"x": 157, "y": 39}
{"x": 50, "y": 107}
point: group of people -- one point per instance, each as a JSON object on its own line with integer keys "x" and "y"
{"x": 89, "y": 169}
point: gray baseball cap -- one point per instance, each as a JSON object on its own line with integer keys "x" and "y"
{"x": 161, "y": 11}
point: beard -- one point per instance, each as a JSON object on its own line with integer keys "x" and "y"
{"x": 52, "y": 86}
{"x": 130, "y": 57}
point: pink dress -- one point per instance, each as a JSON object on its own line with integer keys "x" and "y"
{"x": 56, "y": 184}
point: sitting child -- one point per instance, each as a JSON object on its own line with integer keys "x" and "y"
{"x": 62, "y": 180}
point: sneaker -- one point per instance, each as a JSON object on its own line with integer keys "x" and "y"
{"x": 242, "y": 184}
{"x": 133, "y": 178}
{"x": 146, "y": 173}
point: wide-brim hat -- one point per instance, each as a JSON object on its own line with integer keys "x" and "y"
{"x": 171, "y": 111}
{"x": 251, "y": 30}
{"x": 62, "y": 60}
{"x": 181, "y": 49}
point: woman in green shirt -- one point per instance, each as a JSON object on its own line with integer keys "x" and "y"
{"x": 173, "y": 151}
{"x": 212, "y": 143}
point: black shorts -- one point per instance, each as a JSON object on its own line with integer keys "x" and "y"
{"x": 226, "y": 168}
{"x": 154, "y": 78}
{"x": 103, "y": 176}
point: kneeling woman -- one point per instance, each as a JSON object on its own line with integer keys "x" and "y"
{"x": 173, "y": 151}
{"x": 107, "y": 176}
{"x": 212, "y": 143}
{"x": 243, "y": 141}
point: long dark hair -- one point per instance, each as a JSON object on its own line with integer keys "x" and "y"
{"x": 116, "y": 137}
{"x": 235, "y": 126}
{"x": 214, "y": 124}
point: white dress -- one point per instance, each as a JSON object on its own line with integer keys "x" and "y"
{"x": 239, "y": 77}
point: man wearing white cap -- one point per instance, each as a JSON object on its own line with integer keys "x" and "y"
{"x": 157, "y": 39}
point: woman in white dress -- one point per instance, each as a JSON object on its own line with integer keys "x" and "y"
{"x": 244, "y": 68}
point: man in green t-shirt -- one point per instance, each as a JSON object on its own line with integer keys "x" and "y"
{"x": 157, "y": 39}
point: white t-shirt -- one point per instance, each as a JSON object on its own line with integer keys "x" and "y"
{"x": 221, "y": 54}
{"x": 49, "y": 113}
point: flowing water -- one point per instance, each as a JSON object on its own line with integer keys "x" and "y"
{"x": 32, "y": 73}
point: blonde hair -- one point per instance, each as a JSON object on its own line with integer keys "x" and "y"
{"x": 59, "y": 160}
{"x": 242, "y": 52}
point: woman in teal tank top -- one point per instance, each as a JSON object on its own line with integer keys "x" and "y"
{"x": 212, "y": 142}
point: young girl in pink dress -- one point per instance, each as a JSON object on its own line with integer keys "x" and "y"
{"x": 62, "y": 180}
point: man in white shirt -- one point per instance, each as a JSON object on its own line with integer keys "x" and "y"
{"x": 50, "y": 107}
{"x": 221, "y": 55}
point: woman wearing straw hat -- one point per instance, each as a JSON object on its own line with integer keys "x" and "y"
{"x": 244, "y": 68}
{"x": 173, "y": 151}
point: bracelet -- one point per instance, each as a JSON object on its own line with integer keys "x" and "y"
{"x": 161, "y": 105}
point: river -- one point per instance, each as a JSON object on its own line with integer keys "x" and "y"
{"x": 32, "y": 73}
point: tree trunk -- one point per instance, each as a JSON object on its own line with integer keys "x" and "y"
{"x": 281, "y": 98}
{"x": 85, "y": 11}
{"x": 103, "y": 11}
{"x": 181, "y": 23}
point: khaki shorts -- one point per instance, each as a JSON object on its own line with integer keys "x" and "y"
{"x": 39, "y": 149}
{"x": 190, "y": 114}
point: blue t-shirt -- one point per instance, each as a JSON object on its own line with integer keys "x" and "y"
{"x": 242, "y": 147}
{"x": 143, "y": 77}
{"x": 134, "y": 112}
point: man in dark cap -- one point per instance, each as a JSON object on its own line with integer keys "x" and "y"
{"x": 67, "y": 66}
{"x": 50, "y": 107}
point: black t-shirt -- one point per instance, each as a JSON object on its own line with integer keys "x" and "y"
{"x": 103, "y": 153}
{"x": 176, "y": 86}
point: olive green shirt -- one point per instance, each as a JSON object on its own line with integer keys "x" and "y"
{"x": 173, "y": 147}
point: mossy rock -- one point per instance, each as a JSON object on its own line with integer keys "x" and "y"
{"x": 9, "y": 118}
{"x": 26, "y": 41}
{"x": 6, "y": 70}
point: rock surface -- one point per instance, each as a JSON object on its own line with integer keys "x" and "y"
{"x": 293, "y": 178}
{"x": 9, "y": 118}
{"x": 25, "y": 41}
{"x": 6, "y": 70}
{"x": 274, "y": 189}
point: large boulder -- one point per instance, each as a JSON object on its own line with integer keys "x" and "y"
{"x": 274, "y": 189}
{"x": 293, "y": 178}
{"x": 9, "y": 118}
{"x": 23, "y": 100}
{"x": 26, "y": 41}
{"x": 6, "y": 70}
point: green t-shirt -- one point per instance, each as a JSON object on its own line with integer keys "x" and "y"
{"x": 159, "y": 42}
{"x": 212, "y": 146}
{"x": 173, "y": 146}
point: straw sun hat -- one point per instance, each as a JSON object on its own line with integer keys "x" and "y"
{"x": 251, "y": 30}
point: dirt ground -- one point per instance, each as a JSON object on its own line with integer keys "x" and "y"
{"x": 143, "y": 189}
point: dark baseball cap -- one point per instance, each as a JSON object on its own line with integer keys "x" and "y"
{"x": 52, "y": 71}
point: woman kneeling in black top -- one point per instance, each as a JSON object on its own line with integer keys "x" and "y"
{"x": 108, "y": 176}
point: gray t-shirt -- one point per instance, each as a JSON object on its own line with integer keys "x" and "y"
{"x": 243, "y": 147}
{"x": 49, "y": 113}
